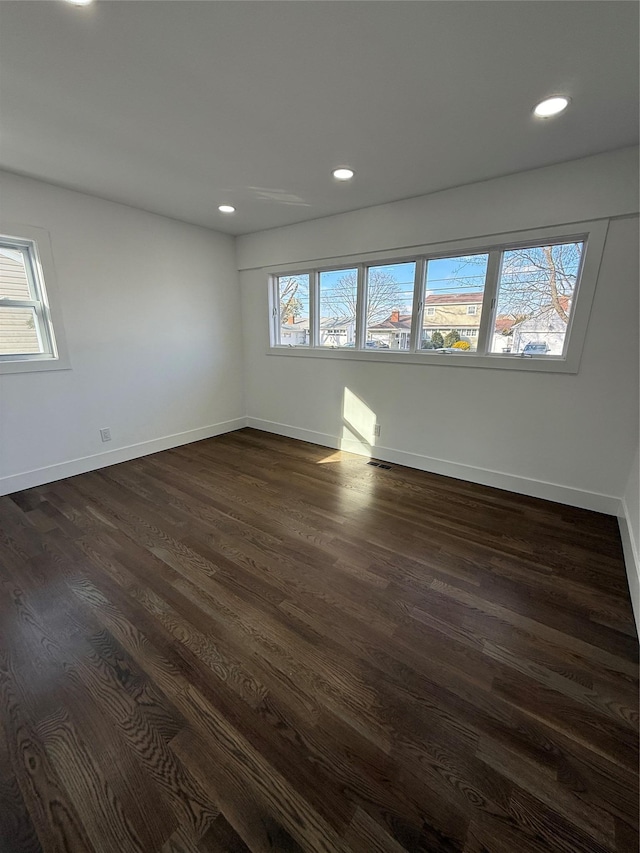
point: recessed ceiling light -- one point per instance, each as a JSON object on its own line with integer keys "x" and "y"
{"x": 343, "y": 174}
{"x": 226, "y": 208}
{"x": 80, "y": 2}
{"x": 551, "y": 106}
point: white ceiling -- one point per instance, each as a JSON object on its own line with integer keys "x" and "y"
{"x": 176, "y": 107}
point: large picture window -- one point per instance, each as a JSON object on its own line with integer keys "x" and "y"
{"x": 517, "y": 303}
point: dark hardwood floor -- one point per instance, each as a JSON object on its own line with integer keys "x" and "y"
{"x": 253, "y": 643}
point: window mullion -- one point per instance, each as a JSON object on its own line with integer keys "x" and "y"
{"x": 274, "y": 310}
{"x": 44, "y": 344}
{"x": 314, "y": 304}
{"x": 32, "y": 269}
{"x": 418, "y": 305}
{"x": 489, "y": 301}
{"x": 361, "y": 307}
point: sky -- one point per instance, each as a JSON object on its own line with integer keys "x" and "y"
{"x": 444, "y": 275}
{"x": 522, "y": 287}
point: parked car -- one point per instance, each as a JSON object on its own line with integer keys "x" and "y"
{"x": 376, "y": 345}
{"x": 535, "y": 348}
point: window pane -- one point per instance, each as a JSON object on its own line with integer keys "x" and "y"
{"x": 453, "y": 302}
{"x": 14, "y": 280}
{"x": 338, "y": 297}
{"x": 293, "y": 293}
{"x": 535, "y": 297}
{"x": 19, "y": 331}
{"x": 389, "y": 306}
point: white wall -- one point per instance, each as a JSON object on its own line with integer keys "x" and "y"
{"x": 152, "y": 319}
{"x": 590, "y": 188}
{"x": 565, "y": 437}
{"x": 632, "y": 503}
{"x": 630, "y": 533}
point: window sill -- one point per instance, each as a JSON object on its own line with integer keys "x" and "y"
{"x": 33, "y": 365}
{"x": 544, "y": 364}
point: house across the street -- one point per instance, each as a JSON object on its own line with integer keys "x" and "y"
{"x": 442, "y": 313}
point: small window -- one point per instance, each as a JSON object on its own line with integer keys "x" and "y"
{"x": 536, "y": 291}
{"x": 338, "y": 301}
{"x": 431, "y": 310}
{"x": 26, "y": 332}
{"x": 293, "y": 310}
{"x": 472, "y": 309}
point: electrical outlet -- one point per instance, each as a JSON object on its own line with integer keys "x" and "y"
{"x": 376, "y": 430}
{"x": 105, "y": 434}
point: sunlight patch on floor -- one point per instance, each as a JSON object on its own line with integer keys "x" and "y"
{"x": 338, "y": 456}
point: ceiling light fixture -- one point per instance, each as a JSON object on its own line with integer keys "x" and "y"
{"x": 343, "y": 174}
{"x": 551, "y": 106}
{"x": 80, "y": 2}
{"x": 226, "y": 208}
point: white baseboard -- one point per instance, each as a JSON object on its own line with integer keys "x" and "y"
{"x": 631, "y": 560}
{"x": 40, "y": 476}
{"x": 521, "y": 485}
{"x": 500, "y": 480}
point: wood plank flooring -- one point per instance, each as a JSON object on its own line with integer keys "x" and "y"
{"x": 255, "y": 644}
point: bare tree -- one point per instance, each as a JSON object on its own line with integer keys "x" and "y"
{"x": 535, "y": 280}
{"x": 291, "y": 289}
{"x": 383, "y": 295}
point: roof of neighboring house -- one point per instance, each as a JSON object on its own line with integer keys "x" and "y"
{"x": 336, "y": 322}
{"x": 403, "y": 322}
{"x": 302, "y": 323}
{"x": 545, "y": 320}
{"x": 548, "y": 310}
{"x": 325, "y": 323}
{"x": 454, "y": 299}
{"x": 503, "y": 323}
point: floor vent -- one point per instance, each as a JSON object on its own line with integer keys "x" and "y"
{"x": 380, "y": 465}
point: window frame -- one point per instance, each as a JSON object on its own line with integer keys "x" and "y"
{"x": 593, "y": 233}
{"x": 37, "y": 243}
